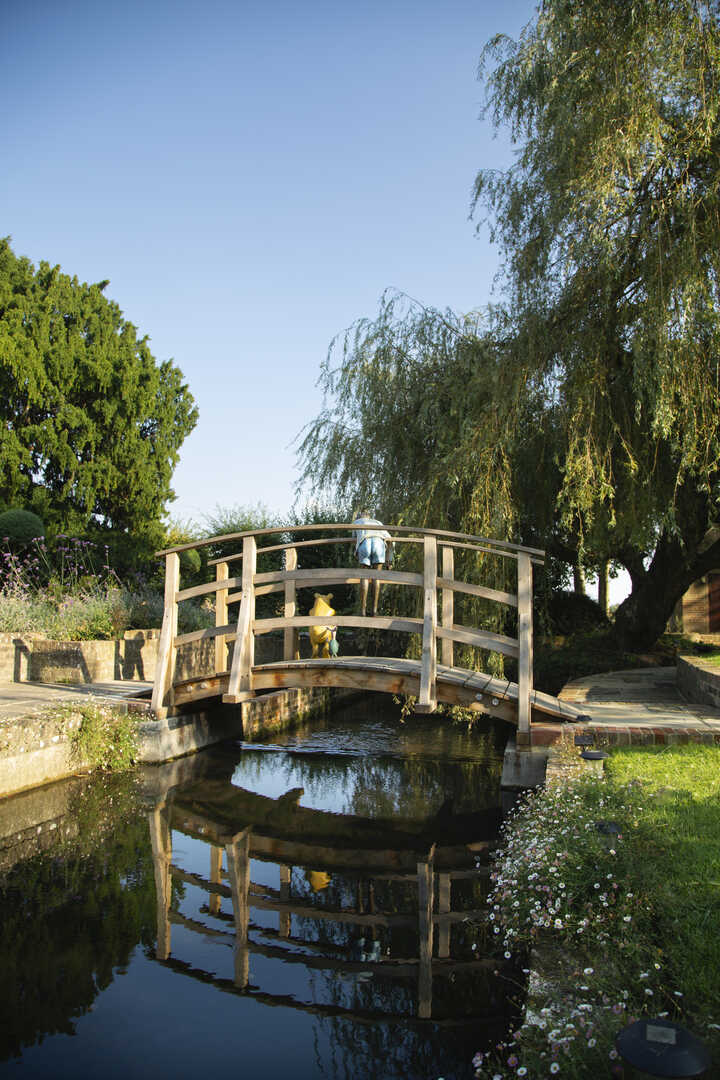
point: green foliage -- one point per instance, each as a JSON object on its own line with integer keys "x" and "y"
{"x": 617, "y": 924}
{"x": 20, "y": 527}
{"x": 234, "y": 519}
{"x": 105, "y": 739}
{"x": 73, "y": 916}
{"x": 583, "y": 416}
{"x": 401, "y": 394}
{"x": 559, "y": 660}
{"x": 574, "y": 613}
{"x": 610, "y": 224}
{"x": 91, "y": 423}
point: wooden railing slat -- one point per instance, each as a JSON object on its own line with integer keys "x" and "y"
{"x": 165, "y": 666}
{"x": 525, "y": 642}
{"x": 426, "y": 700}
{"x": 447, "y": 583}
{"x": 481, "y": 639}
{"x": 240, "y": 683}
{"x": 291, "y": 645}
{"x": 337, "y": 575}
{"x": 478, "y": 590}
{"x": 372, "y": 622}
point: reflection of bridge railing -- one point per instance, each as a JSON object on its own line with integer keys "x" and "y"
{"x": 432, "y": 875}
{"x": 437, "y": 580}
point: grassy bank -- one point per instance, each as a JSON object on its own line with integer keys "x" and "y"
{"x": 605, "y": 901}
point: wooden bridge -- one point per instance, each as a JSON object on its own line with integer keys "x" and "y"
{"x": 430, "y": 678}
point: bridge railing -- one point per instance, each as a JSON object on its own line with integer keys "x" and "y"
{"x": 437, "y": 580}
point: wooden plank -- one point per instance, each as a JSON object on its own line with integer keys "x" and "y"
{"x": 425, "y": 931}
{"x": 240, "y": 685}
{"x": 238, "y": 865}
{"x": 165, "y": 667}
{"x": 443, "y": 894}
{"x": 202, "y": 635}
{"x": 291, "y": 641}
{"x": 210, "y": 586}
{"x": 221, "y": 616}
{"x": 375, "y": 622}
{"x": 447, "y": 583}
{"x": 500, "y": 546}
{"x": 284, "y": 917}
{"x": 336, "y": 575}
{"x": 427, "y": 700}
{"x": 284, "y": 547}
{"x": 161, "y": 842}
{"x": 481, "y": 639}
{"x": 477, "y": 590}
{"x": 215, "y": 900}
{"x": 525, "y": 640}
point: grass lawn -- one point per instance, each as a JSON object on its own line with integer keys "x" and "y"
{"x": 605, "y": 903}
{"x": 680, "y": 863}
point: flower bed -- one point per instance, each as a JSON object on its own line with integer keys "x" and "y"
{"x": 576, "y": 912}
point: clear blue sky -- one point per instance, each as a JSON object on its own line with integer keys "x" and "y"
{"x": 250, "y": 177}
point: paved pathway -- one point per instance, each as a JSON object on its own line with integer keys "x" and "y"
{"x": 642, "y": 705}
{"x": 27, "y": 699}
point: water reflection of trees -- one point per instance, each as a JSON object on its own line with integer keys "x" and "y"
{"x": 412, "y": 787}
{"x": 73, "y": 914}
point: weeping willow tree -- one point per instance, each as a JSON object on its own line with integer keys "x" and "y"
{"x": 405, "y": 396}
{"x": 411, "y": 428}
{"x": 584, "y": 413}
{"x": 609, "y": 222}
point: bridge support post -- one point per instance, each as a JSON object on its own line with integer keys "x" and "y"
{"x": 427, "y": 699}
{"x": 221, "y": 618}
{"x": 448, "y": 606}
{"x": 291, "y": 650}
{"x": 215, "y": 900}
{"x": 525, "y": 648}
{"x": 240, "y": 682}
{"x": 165, "y": 666}
{"x": 426, "y": 892}
{"x": 238, "y": 867}
{"x": 161, "y": 840}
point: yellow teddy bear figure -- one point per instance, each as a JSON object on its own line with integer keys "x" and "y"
{"x": 321, "y": 635}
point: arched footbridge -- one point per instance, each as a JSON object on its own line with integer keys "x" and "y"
{"x": 424, "y": 594}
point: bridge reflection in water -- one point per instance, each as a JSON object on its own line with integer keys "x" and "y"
{"x": 386, "y": 915}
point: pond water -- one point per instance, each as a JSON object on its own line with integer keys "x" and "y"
{"x": 307, "y": 908}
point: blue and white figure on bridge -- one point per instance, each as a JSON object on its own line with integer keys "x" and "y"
{"x": 373, "y": 548}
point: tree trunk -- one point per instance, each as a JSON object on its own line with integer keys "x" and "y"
{"x": 603, "y": 587}
{"x": 578, "y": 578}
{"x": 643, "y": 616}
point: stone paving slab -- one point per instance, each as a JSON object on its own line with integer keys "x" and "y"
{"x": 24, "y": 699}
{"x": 643, "y": 705}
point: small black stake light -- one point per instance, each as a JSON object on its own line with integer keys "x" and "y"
{"x": 580, "y": 718}
{"x": 659, "y": 1048}
{"x": 610, "y": 830}
{"x": 584, "y": 740}
{"x": 594, "y": 755}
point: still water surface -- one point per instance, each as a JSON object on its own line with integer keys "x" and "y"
{"x": 259, "y": 910}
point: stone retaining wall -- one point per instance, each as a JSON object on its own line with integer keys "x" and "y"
{"x": 698, "y": 680}
{"x": 38, "y": 749}
{"x": 33, "y": 658}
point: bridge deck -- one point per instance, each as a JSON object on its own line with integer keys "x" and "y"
{"x": 455, "y": 686}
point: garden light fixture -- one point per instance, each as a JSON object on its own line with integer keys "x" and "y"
{"x": 660, "y": 1048}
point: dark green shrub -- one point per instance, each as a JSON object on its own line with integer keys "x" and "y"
{"x": 190, "y": 562}
{"x": 573, "y": 613}
{"x": 20, "y": 527}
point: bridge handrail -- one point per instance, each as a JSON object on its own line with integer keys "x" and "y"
{"x": 250, "y": 584}
{"x": 495, "y": 546}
